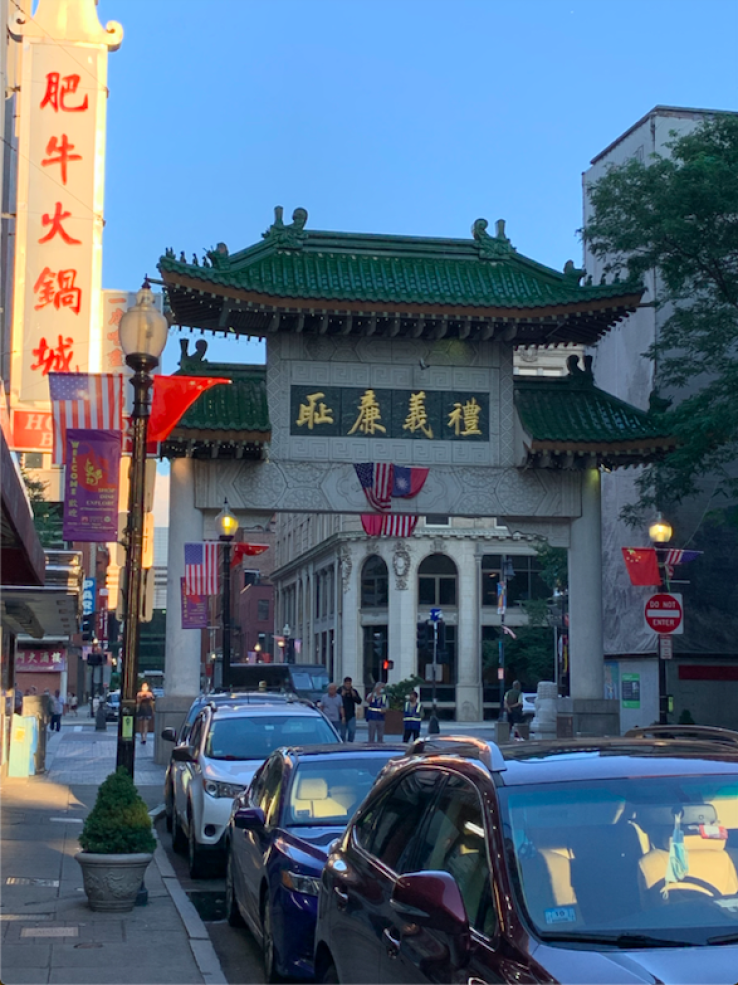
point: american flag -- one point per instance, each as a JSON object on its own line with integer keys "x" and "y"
{"x": 675, "y": 556}
{"x": 87, "y": 401}
{"x": 201, "y": 568}
{"x": 377, "y": 482}
{"x": 395, "y": 525}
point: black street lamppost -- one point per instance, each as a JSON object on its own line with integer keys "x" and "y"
{"x": 143, "y": 335}
{"x": 660, "y": 533}
{"x": 507, "y": 571}
{"x": 227, "y": 524}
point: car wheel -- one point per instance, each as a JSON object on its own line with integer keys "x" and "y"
{"x": 197, "y": 866}
{"x": 267, "y": 936}
{"x": 179, "y": 842}
{"x": 233, "y": 914}
{"x": 330, "y": 975}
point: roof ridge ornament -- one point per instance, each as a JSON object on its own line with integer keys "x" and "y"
{"x": 580, "y": 375}
{"x": 292, "y": 236}
{"x": 491, "y": 247}
{"x": 573, "y": 274}
{"x": 187, "y": 362}
{"x": 219, "y": 257}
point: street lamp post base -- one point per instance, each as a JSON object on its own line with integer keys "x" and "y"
{"x": 434, "y": 727}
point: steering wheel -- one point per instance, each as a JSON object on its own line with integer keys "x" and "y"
{"x": 689, "y": 884}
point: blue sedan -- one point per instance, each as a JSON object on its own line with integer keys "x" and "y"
{"x": 277, "y": 843}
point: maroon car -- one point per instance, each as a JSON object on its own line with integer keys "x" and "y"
{"x": 601, "y": 860}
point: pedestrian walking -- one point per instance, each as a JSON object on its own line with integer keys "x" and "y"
{"x": 514, "y": 707}
{"x": 412, "y": 717}
{"x": 73, "y": 704}
{"x": 350, "y": 700}
{"x": 376, "y": 709}
{"x": 144, "y": 710}
{"x": 331, "y": 704}
{"x": 55, "y": 711}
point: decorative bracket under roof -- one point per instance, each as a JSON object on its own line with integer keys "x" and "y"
{"x": 291, "y": 236}
{"x": 491, "y": 247}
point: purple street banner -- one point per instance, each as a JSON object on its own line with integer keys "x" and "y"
{"x": 194, "y": 609}
{"x": 91, "y": 485}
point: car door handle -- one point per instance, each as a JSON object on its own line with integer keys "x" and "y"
{"x": 391, "y": 943}
{"x": 341, "y": 897}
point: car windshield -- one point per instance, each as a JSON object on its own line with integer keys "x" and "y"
{"x": 654, "y": 857}
{"x": 255, "y": 737}
{"x": 324, "y": 793}
{"x": 315, "y": 680}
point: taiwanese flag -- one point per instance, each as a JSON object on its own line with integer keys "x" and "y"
{"x": 642, "y": 565}
{"x": 246, "y": 550}
{"x": 173, "y": 396}
{"x": 407, "y": 482}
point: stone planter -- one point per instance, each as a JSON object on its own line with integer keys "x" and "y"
{"x": 112, "y": 881}
{"x": 394, "y": 722}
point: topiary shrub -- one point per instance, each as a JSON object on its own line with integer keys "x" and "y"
{"x": 119, "y": 823}
{"x": 396, "y": 694}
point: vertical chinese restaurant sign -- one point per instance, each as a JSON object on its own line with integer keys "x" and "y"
{"x": 194, "y": 609}
{"x": 91, "y": 486}
{"x": 61, "y": 173}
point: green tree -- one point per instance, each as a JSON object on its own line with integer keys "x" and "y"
{"x": 46, "y": 515}
{"x": 678, "y": 215}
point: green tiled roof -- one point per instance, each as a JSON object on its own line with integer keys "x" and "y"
{"x": 238, "y": 412}
{"x": 483, "y": 272}
{"x": 570, "y": 412}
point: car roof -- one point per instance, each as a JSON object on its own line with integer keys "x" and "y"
{"x": 293, "y": 709}
{"x": 346, "y": 751}
{"x": 561, "y": 760}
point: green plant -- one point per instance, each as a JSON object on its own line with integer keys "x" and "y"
{"x": 396, "y": 693}
{"x": 685, "y": 718}
{"x": 119, "y": 823}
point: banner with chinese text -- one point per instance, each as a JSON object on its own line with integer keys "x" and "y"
{"x": 91, "y": 485}
{"x": 194, "y": 609}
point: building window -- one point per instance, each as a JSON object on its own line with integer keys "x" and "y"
{"x": 374, "y": 583}
{"x": 526, "y": 585}
{"x": 437, "y": 581}
{"x": 262, "y": 610}
{"x": 33, "y": 459}
{"x": 437, "y": 520}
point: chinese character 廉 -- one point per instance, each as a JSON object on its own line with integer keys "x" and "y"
{"x": 370, "y": 415}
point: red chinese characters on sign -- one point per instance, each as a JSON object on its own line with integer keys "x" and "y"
{"x": 56, "y": 360}
{"x": 57, "y": 229}
{"x": 58, "y": 289}
{"x": 115, "y": 355}
{"x": 58, "y": 87}
{"x": 59, "y": 152}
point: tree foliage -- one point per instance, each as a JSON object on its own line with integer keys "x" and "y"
{"x": 46, "y": 516}
{"x": 678, "y": 216}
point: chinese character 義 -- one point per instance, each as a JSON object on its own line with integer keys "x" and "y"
{"x": 67, "y": 295}
{"x": 465, "y": 416}
{"x": 57, "y": 360}
{"x": 417, "y": 416}
{"x": 370, "y": 415}
{"x": 59, "y": 153}
{"x": 58, "y": 87}
{"x": 57, "y": 229}
{"x": 314, "y": 412}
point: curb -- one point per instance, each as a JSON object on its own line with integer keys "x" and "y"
{"x": 200, "y": 943}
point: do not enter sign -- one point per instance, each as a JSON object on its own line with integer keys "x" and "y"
{"x": 664, "y": 613}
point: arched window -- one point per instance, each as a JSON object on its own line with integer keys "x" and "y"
{"x": 437, "y": 581}
{"x": 374, "y": 583}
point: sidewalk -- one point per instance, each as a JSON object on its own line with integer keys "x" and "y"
{"x": 49, "y": 933}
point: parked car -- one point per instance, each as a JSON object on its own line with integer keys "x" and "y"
{"x": 227, "y": 743}
{"x": 597, "y": 860}
{"x": 277, "y": 843}
{"x": 529, "y": 705}
{"x": 112, "y": 706}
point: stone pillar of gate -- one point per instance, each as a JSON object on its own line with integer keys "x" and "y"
{"x": 402, "y": 621}
{"x": 468, "y": 657}
{"x": 183, "y": 646}
{"x": 350, "y": 661}
{"x": 593, "y": 714}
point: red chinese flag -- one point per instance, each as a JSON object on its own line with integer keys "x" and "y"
{"x": 246, "y": 550}
{"x": 173, "y": 396}
{"x": 642, "y": 565}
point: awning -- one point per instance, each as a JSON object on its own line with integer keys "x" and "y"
{"x": 39, "y": 612}
{"x": 22, "y": 557}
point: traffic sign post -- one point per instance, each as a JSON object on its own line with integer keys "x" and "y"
{"x": 664, "y": 615}
{"x": 435, "y": 616}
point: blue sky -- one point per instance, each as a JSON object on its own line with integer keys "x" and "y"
{"x": 397, "y": 116}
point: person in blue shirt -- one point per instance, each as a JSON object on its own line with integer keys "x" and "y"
{"x": 412, "y": 717}
{"x": 376, "y": 709}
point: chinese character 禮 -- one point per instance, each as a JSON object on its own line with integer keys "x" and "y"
{"x": 314, "y": 412}
{"x": 464, "y": 418}
{"x": 417, "y": 416}
{"x": 58, "y": 87}
{"x": 370, "y": 415}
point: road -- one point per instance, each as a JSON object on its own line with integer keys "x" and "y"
{"x": 238, "y": 953}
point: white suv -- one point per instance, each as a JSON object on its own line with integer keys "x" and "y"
{"x": 225, "y": 747}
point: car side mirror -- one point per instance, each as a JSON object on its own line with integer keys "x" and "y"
{"x": 432, "y": 899}
{"x": 169, "y": 734}
{"x": 184, "y": 754}
{"x": 249, "y": 818}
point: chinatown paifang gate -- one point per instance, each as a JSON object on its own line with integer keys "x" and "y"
{"x": 374, "y": 343}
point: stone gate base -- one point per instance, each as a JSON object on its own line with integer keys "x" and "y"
{"x": 587, "y": 717}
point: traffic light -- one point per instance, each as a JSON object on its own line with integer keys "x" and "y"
{"x": 378, "y": 646}
{"x": 88, "y": 628}
{"x": 388, "y": 665}
{"x": 441, "y": 649}
{"x": 423, "y": 637}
